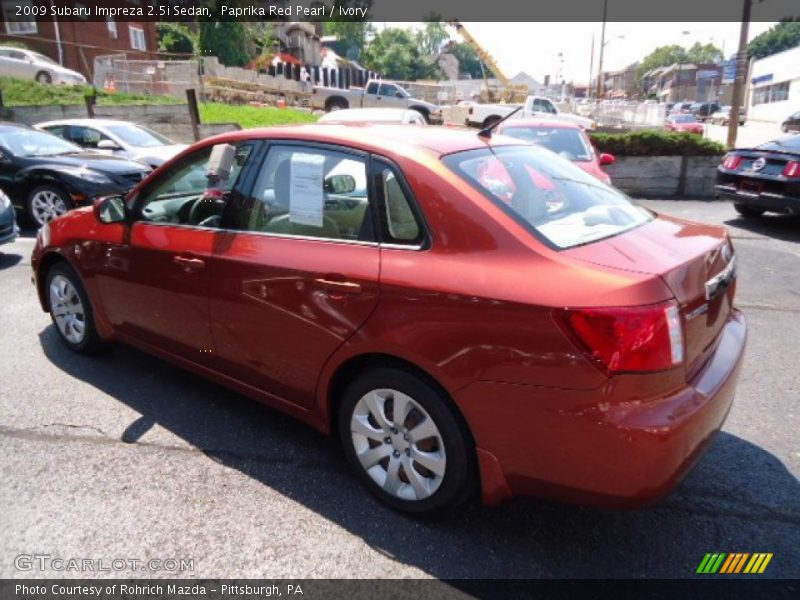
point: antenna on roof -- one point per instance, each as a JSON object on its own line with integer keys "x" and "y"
{"x": 487, "y": 131}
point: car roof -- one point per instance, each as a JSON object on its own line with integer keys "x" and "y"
{"x": 5, "y": 125}
{"x": 93, "y": 122}
{"x": 374, "y": 137}
{"x": 552, "y": 123}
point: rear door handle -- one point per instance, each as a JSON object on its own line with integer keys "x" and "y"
{"x": 342, "y": 287}
{"x": 189, "y": 264}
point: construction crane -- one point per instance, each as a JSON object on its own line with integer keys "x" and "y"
{"x": 511, "y": 92}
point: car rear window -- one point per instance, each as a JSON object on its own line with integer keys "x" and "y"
{"x": 557, "y": 201}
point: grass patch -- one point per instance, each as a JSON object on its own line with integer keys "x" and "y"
{"x": 22, "y": 92}
{"x": 249, "y": 117}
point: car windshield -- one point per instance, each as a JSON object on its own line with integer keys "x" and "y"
{"x": 789, "y": 143}
{"x": 553, "y": 198}
{"x": 44, "y": 59}
{"x": 29, "y": 142}
{"x": 139, "y": 136}
{"x": 684, "y": 119}
{"x": 569, "y": 143}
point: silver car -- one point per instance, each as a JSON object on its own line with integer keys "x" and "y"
{"x": 27, "y": 64}
{"x": 120, "y": 138}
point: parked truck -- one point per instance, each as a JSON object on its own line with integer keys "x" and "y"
{"x": 483, "y": 115}
{"x": 376, "y": 94}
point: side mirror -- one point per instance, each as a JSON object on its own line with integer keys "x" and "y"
{"x": 607, "y": 159}
{"x": 108, "y": 145}
{"x": 340, "y": 184}
{"x": 110, "y": 209}
{"x": 399, "y": 95}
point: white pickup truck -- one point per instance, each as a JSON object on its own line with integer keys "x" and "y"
{"x": 483, "y": 115}
{"x": 377, "y": 94}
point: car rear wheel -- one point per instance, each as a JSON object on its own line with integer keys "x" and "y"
{"x": 751, "y": 212}
{"x": 404, "y": 440}
{"x": 45, "y": 203}
{"x": 336, "y": 104}
{"x": 44, "y": 78}
{"x": 70, "y": 310}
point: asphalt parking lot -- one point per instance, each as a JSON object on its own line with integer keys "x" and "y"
{"x": 125, "y": 456}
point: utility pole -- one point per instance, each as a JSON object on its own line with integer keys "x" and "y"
{"x": 591, "y": 69}
{"x": 741, "y": 73}
{"x": 602, "y": 47}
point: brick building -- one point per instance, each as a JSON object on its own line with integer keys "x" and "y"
{"x": 75, "y": 43}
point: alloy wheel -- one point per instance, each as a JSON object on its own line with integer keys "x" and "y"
{"x": 67, "y": 309}
{"x": 46, "y": 205}
{"x": 398, "y": 444}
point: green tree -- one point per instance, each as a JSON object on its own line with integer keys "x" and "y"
{"x": 352, "y": 36}
{"x": 704, "y": 53}
{"x": 176, "y": 38}
{"x": 395, "y": 53}
{"x": 468, "y": 62}
{"x": 661, "y": 57}
{"x": 433, "y": 36}
{"x": 778, "y": 38}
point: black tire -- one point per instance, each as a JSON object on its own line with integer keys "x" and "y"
{"x": 44, "y": 78}
{"x": 751, "y": 212}
{"x": 91, "y": 341}
{"x": 424, "y": 112}
{"x": 459, "y": 477}
{"x": 489, "y": 121}
{"x": 34, "y": 218}
{"x": 336, "y": 104}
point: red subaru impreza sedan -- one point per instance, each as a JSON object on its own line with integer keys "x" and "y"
{"x": 465, "y": 312}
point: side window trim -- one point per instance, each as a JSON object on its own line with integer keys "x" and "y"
{"x": 377, "y": 164}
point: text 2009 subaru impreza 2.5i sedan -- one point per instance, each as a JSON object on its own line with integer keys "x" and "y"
{"x": 465, "y": 312}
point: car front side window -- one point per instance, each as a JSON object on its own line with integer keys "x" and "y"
{"x": 188, "y": 194}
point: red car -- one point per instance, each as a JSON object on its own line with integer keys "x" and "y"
{"x": 684, "y": 124}
{"x": 532, "y": 332}
{"x": 568, "y": 140}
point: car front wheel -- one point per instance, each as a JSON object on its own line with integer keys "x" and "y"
{"x": 45, "y": 203}
{"x": 405, "y": 441}
{"x": 750, "y": 212}
{"x": 70, "y": 309}
{"x": 44, "y": 78}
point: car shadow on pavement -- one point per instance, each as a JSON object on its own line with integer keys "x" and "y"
{"x": 738, "y": 498}
{"x": 9, "y": 260}
{"x": 781, "y": 227}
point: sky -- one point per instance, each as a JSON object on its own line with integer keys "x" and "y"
{"x": 534, "y": 47}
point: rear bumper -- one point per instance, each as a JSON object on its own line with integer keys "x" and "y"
{"x": 591, "y": 447}
{"x": 8, "y": 226}
{"x": 767, "y": 200}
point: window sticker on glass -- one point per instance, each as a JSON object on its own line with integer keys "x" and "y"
{"x": 306, "y": 198}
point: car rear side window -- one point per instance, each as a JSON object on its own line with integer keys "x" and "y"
{"x": 399, "y": 222}
{"x": 307, "y": 191}
{"x": 549, "y": 195}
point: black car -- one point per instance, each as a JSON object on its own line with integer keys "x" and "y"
{"x": 704, "y": 110}
{"x": 792, "y": 123}
{"x": 46, "y": 176}
{"x": 762, "y": 179}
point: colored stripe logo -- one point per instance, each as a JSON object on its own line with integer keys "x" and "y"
{"x": 735, "y": 562}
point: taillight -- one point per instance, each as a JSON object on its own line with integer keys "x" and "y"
{"x": 636, "y": 339}
{"x": 731, "y": 162}
{"x": 792, "y": 169}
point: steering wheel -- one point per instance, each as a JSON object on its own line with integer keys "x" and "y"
{"x": 204, "y": 207}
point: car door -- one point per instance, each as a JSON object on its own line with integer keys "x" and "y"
{"x": 155, "y": 285}
{"x": 370, "y": 98}
{"x": 298, "y": 275}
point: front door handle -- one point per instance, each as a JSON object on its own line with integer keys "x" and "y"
{"x": 189, "y": 264}
{"x": 342, "y": 287}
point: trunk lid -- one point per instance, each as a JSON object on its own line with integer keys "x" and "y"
{"x": 695, "y": 261}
